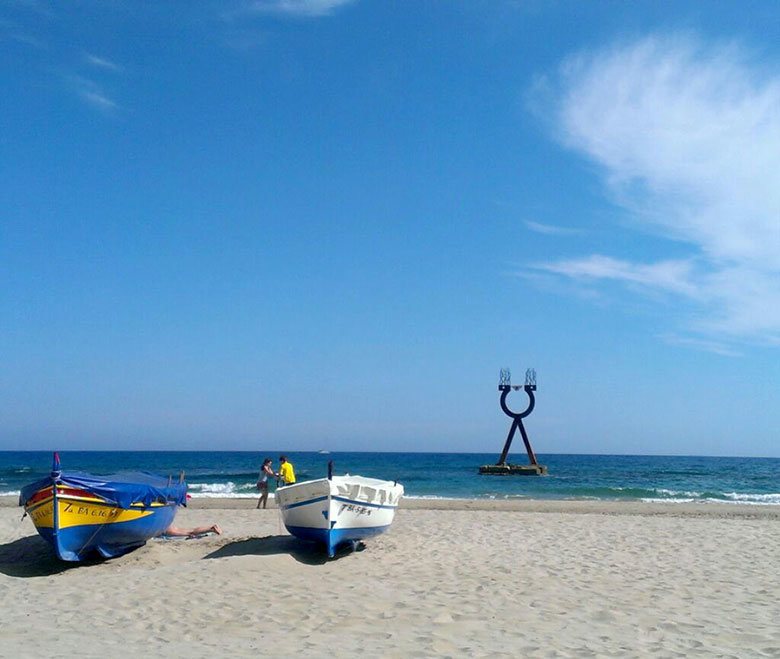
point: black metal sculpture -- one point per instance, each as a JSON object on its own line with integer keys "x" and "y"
{"x": 501, "y": 467}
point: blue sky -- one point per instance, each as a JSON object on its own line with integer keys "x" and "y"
{"x": 316, "y": 224}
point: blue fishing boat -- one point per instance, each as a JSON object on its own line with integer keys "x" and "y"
{"x": 83, "y": 515}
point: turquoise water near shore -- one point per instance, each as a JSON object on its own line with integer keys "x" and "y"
{"x": 448, "y": 475}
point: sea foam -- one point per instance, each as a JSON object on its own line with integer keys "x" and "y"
{"x": 223, "y": 491}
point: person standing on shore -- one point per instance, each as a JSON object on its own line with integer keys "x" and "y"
{"x": 262, "y": 481}
{"x": 286, "y": 471}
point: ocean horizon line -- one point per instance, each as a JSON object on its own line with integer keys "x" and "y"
{"x": 363, "y": 452}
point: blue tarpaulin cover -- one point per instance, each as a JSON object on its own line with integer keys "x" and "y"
{"x": 122, "y": 489}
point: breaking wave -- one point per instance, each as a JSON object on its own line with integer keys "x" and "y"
{"x": 227, "y": 490}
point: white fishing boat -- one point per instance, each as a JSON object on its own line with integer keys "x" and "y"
{"x": 338, "y": 511}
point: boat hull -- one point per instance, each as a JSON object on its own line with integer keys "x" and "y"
{"x": 339, "y": 512}
{"x": 81, "y": 526}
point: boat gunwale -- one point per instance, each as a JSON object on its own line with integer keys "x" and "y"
{"x": 338, "y": 498}
{"x": 92, "y": 500}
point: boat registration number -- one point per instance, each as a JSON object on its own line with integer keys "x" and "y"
{"x": 357, "y": 510}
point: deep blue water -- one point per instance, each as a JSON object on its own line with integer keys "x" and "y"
{"x": 452, "y": 475}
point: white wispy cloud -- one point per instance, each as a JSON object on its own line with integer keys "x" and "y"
{"x": 700, "y": 344}
{"x": 90, "y": 92}
{"x": 551, "y": 229}
{"x": 13, "y": 32}
{"x": 99, "y": 100}
{"x": 27, "y": 40}
{"x": 686, "y": 135}
{"x": 297, "y": 7}
{"x": 670, "y": 276}
{"x": 101, "y": 62}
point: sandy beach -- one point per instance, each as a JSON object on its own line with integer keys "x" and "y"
{"x": 450, "y": 578}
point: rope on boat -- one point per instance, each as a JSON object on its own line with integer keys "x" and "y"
{"x": 91, "y": 538}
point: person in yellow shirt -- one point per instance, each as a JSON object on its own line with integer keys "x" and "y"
{"x": 286, "y": 470}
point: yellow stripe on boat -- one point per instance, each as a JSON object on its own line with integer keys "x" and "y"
{"x": 78, "y": 512}
{"x": 41, "y": 514}
{"x": 83, "y": 513}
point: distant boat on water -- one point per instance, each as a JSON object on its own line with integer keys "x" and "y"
{"x": 338, "y": 511}
{"x": 81, "y": 514}
{"x": 324, "y": 452}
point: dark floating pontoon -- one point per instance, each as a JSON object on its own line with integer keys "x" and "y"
{"x": 502, "y": 468}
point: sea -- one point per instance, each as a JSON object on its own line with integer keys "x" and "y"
{"x": 681, "y": 479}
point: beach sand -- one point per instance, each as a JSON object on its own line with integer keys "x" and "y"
{"x": 450, "y": 578}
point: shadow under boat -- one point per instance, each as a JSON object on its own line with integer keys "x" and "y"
{"x": 31, "y": 556}
{"x": 303, "y": 552}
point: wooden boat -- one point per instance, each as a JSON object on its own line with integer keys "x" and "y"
{"x": 82, "y": 515}
{"x": 338, "y": 511}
